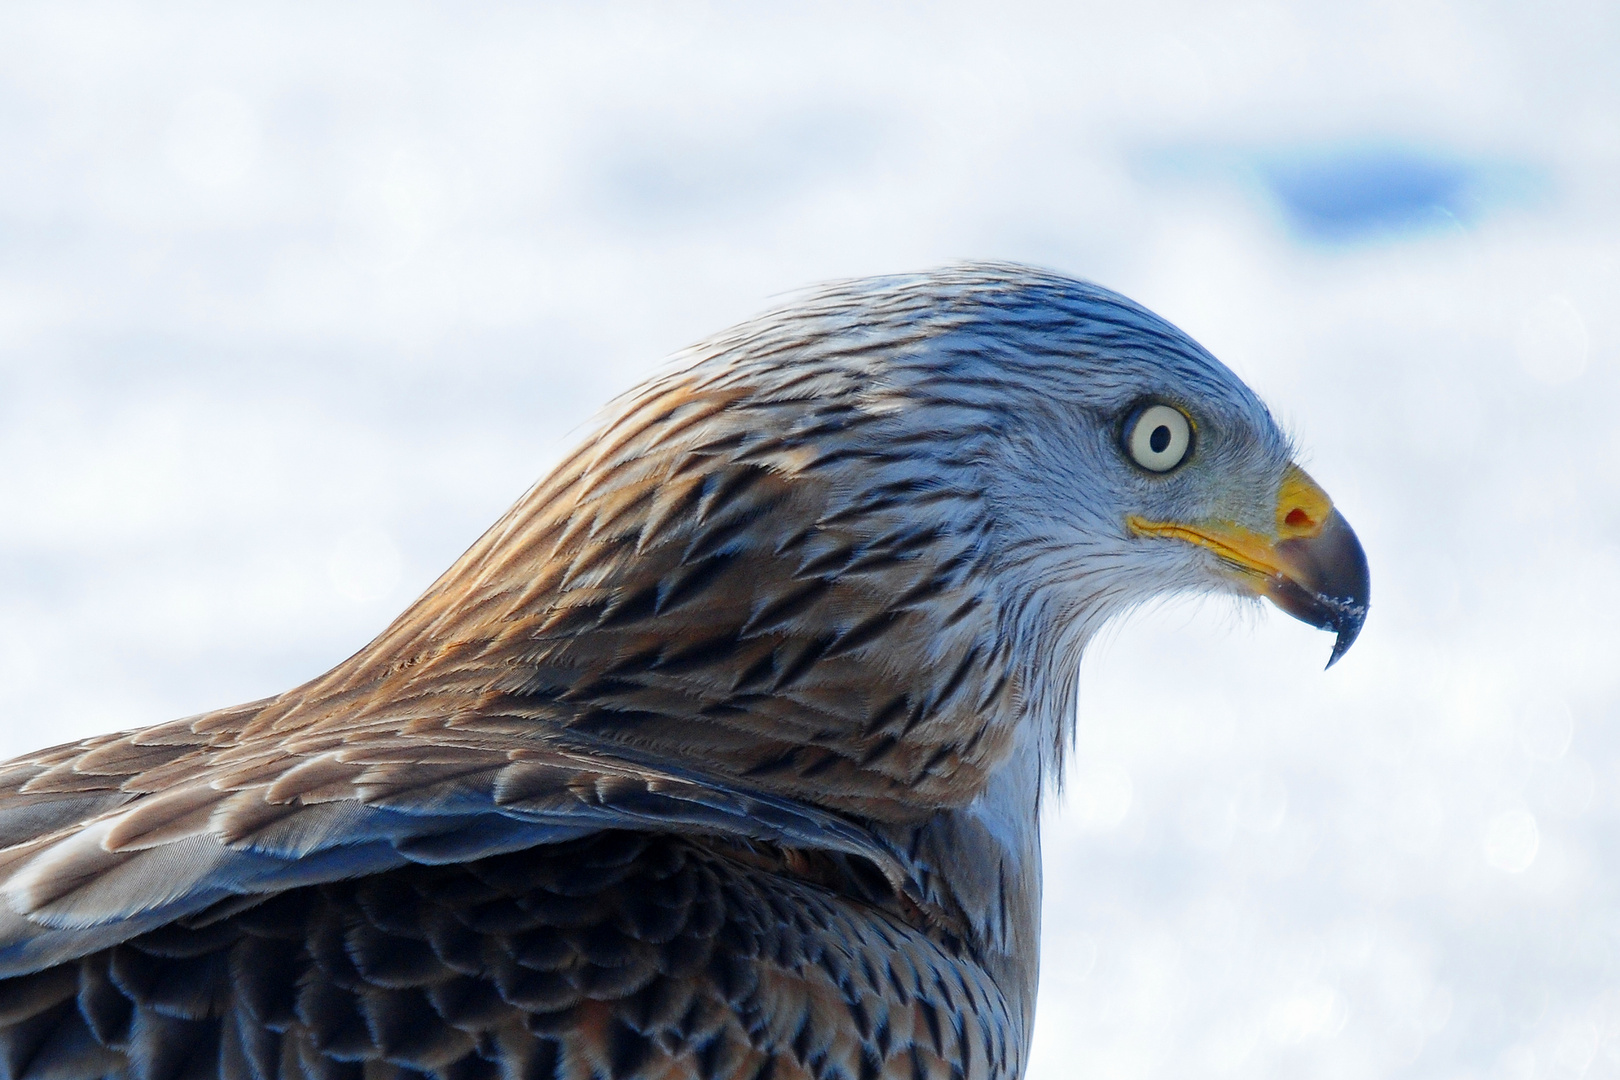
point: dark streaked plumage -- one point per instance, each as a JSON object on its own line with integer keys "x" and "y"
{"x": 613, "y": 955}
{"x": 718, "y": 756}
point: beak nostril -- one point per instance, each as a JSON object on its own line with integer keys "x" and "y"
{"x": 1298, "y": 519}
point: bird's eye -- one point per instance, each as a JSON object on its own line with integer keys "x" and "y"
{"x": 1158, "y": 437}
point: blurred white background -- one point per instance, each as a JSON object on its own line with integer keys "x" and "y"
{"x": 296, "y": 299}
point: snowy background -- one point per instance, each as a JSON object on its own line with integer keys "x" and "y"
{"x": 296, "y": 299}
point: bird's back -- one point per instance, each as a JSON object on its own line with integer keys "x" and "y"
{"x": 625, "y": 955}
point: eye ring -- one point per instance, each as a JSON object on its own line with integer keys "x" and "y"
{"x": 1158, "y": 437}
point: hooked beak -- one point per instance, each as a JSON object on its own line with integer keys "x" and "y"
{"x": 1312, "y": 567}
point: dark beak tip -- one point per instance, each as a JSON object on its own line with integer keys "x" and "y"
{"x": 1348, "y": 626}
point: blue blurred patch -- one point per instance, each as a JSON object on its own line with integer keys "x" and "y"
{"x": 1347, "y": 194}
{"x": 1350, "y": 192}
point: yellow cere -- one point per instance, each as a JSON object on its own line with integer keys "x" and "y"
{"x": 1302, "y": 506}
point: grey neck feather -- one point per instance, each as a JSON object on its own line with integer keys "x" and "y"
{"x": 984, "y": 861}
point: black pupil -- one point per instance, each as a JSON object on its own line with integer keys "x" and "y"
{"x": 1159, "y": 439}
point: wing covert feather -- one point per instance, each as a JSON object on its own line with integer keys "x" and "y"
{"x": 128, "y": 854}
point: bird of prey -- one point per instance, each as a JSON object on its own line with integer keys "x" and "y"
{"x": 718, "y": 756}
